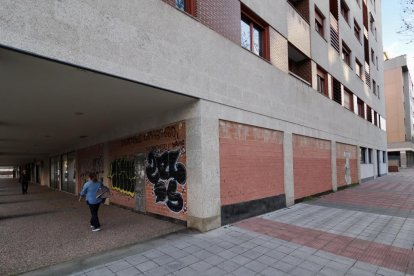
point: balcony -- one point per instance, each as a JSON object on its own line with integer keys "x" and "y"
{"x": 298, "y": 30}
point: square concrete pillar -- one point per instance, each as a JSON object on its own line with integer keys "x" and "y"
{"x": 333, "y": 165}
{"x": 288, "y": 168}
{"x": 403, "y": 159}
{"x": 203, "y": 161}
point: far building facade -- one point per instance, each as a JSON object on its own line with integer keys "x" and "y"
{"x": 398, "y": 89}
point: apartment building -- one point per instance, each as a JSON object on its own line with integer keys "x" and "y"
{"x": 398, "y": 88}
{"x": 201, "y": 111}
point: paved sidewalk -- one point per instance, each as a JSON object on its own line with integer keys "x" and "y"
{"x": 46, "y": 227}
{"x": 365, "y": 230}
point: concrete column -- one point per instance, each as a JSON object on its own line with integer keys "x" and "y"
{"x": 359, "y": 163}
{"x": 106, "y": 167}
{"x": 403, "y": 159}
{"x": 203, "y": 165}
{"x": 288, "y": 167}
{"x": 333, "y": 165}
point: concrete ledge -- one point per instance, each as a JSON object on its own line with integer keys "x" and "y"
{"x": 235, "y": 212}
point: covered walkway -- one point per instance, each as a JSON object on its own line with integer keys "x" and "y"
{"x": 46, "y": 227}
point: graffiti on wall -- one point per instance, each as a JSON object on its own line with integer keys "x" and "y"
{"x": 123, "y": 175}
{"x": 347, "y": 156}
{"x": 167, "y": 174}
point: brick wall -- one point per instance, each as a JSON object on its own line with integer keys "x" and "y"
{"x": 251, "y": 163}
{"x": 302, "y": 69}
{"x": 221, "y": 16}
{"x": 346, "y": 168}
{"x": 311, "y": 166}
{"x": 164, "y": 143}
{"x": 278, "y": 50}
{"x": 89, "y": 160}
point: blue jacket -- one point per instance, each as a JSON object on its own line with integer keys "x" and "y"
{"x": 89, "y": 191}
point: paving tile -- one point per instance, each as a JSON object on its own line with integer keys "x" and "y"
{"x": 136, "y": 259}
{"x": 146, "y": 266}
{"x": 158, "y": 271}
{"x": 201, "y": 266}
{"x": 214, "y": 271}
{"x": 292, "y": 260}
{"x": 153, "y": 253}
{"x": 187, "y": 271}
{"x": 165, "y": 259}
{"x": 244, "y": 271}
{"x": 283, "y": 266}
{"x": 388, "y": 272}
{"x": 366, "y": 266}
{"x": 252, "y": 254}
{"x": 353, "y": 271}
{"x": 241, "y": 260}
{"x": 175, "y": 266}
{"x": 314, "y": 267}
{"x": 328, "y": 271}
{"x": 299, "y": 271}
{"x": 119, "y": 265}
{"x": 227, "y": 254}
{"x": 256, "y": 266}
{"x": 270, "y": 271}
{"x": 228, "y": 266}
{"x": 100, "y": 272}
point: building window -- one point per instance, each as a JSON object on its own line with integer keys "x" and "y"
{"x": 345, "y": 11}
{"x": 346, "y": 54}
{"x": 384, "y": 157}
{"x": 363, "y": 155}
{"x": 186, "y": 5}
{"x": 319, "y": 22}
{"x": 374, "y": 87}
{"x": 321, "y": 81}
{"x": 358, "y": 69}
{"x": 376, "y": 62}
{"x": 375, "y": 118}
{"x": 372, "y": 56}
{"x": 348, "y": 100}
{"x": 378, "y": 92}
{"x": 369, "y": 156}
{"x": 361, "y": 110}
{"x": 357, "y": 31}
{"x": 371, "y": 22}
{"x": 336, "y": 89}
{"x": 254, "y": 34}
{"x": 369, "y": 114}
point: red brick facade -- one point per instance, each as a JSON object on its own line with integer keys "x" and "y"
{"x": 221, "y": 16}
{"x": 161, "y": 143}
{"x": 89, "y": 160}
{"x": 346, "y": 164}
{"x": 311, "y": 166}
{"x": 251, "y": 163}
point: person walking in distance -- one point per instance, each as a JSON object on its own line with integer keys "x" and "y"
{"x": 24, "y": 180}
{"x": 89, "y": 192}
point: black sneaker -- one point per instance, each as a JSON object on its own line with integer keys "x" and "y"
{"x": 96, "y": 229}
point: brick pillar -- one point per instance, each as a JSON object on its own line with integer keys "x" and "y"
{"x": 403, "y": 159}
{"x": 288, "y": 168}
{"x": 203, "y": 161}
{"x": 333, "y": 164}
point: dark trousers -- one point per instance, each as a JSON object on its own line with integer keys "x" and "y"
{"x": 94, "y": 215}
{"x": 25, "y": 185}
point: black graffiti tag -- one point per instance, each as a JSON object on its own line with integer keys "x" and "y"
{"x": 166, "y": 174}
